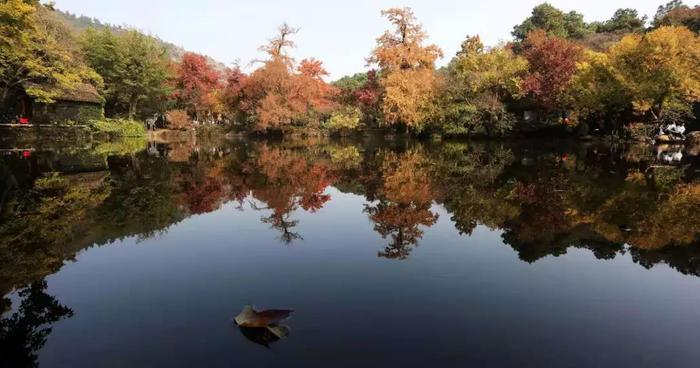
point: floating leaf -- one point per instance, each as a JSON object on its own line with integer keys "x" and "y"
{"x": 249, "y": 317}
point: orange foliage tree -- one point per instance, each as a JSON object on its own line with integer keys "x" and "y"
{"x": 407, "y": 70}
{"x": 278, "y": 95}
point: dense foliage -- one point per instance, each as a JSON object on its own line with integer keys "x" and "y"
{"x": 36, "y": 51}
{"x": 560, "y": 73}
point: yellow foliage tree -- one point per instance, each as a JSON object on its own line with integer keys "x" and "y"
{"x": 660, "y": 71}
{"x": 407, "y": 70}
{"x": 35, "y": 49}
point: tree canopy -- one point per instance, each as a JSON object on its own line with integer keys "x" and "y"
{"x": 407, "y": 70}
{"x": 135, "y": 69}
{"x": 36, "y": 51}
{"x": 554, "y": 22}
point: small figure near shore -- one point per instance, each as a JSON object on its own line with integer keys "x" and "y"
{"x": 671, "y": 133}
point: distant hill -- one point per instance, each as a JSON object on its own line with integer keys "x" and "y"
{"x": 80, "y": 23}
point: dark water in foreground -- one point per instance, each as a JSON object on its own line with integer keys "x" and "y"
{"x": 441, "y": 254}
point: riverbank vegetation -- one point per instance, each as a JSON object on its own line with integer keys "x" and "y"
{"x": 559, "y": 74}
{"x": 118, "y": 128}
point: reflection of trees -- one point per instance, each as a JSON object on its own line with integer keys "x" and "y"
{"x": 405, "y": 199}
{"x": 203, "y": 187}
{"x": 143, "y": 200}
{"x": 287, "y": 180}
{"x": 473, "y": 191}
{"x": 41, "y": 225}
{"x": 543, "y": 200}
{"x": 546, "y": 202}
{"x": 24, "y": 333}
{"x": 685, "y": 260}
{"x": 400, "y": 222}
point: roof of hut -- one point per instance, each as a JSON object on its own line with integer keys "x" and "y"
{"x": 81, "y": 93}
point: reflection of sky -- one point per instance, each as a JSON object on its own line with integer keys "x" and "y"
{"x": 169, "y": 301}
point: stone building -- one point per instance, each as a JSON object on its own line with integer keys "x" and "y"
{"x": 79, "y": 105}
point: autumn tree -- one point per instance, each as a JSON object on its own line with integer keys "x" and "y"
{"x": 362, "y": 91}
{"x": 196, "y": 84}
{"x": 36, "y": 51}
{"x": 552, "y": 66}
{"x": 265, "y": 92}
{"x": 313, "y": 89}
{"x": 659, "y": 71}
{"x": 597, "y": 94}
{"x": 134, "y": 67}
{"x": 232, "y": 94}
{"x": 479, "y": 85}
{"x": 278, "y": 94}
{"x": 407, "y": 71}
{"x": 553, "y": 22}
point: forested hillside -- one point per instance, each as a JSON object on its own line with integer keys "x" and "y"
{"x": 81, "y": 23}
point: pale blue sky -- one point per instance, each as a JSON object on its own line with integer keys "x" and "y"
{"x": 340, "y": 33}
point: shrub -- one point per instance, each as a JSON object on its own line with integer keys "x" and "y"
{"x": 640, "y": 131}
{"x": 344, "y": 121}
{"x": 118, "y": 127}
{"x": 178, "y": 120}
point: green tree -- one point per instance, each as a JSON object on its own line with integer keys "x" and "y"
{"x": 351, "y": 82}
{"x": 624, "y": 20}
{"x": 135, "y": 68}
{"x": 554, "y": 22}
{"x": 676, "y": 13}
{"x": 344, "y": 121}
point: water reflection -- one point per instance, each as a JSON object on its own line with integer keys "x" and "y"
{"x": 614, "y": 200}
{"x": 263, "y": 327}
{"x": 24, "y": 332}
{"x": 545, "y": 199}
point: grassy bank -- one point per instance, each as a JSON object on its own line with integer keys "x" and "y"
{"x": 118, "y": 128}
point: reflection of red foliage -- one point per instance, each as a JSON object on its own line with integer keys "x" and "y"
{"x": 292, "y": 181}
{"x": 27, "y": 154}
{"x": 312, "y": 197}
{"x": 203, "y": 197}
{"x": 314, "y": 202}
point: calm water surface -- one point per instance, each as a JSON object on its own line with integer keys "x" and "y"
{"x": 389, "y": 253}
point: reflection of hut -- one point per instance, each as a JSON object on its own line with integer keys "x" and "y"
{"x": 79, "y": 105}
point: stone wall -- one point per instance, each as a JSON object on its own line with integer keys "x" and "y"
{"x": 65, "y": 111}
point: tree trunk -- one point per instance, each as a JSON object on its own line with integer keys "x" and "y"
{"x": 3, "y": 97}
{"x": 132, "y": 108}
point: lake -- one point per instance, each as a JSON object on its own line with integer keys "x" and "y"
{"x": 389, "y": 252}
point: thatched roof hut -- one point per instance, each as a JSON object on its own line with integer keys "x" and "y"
{"x": 80, "y": 104}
